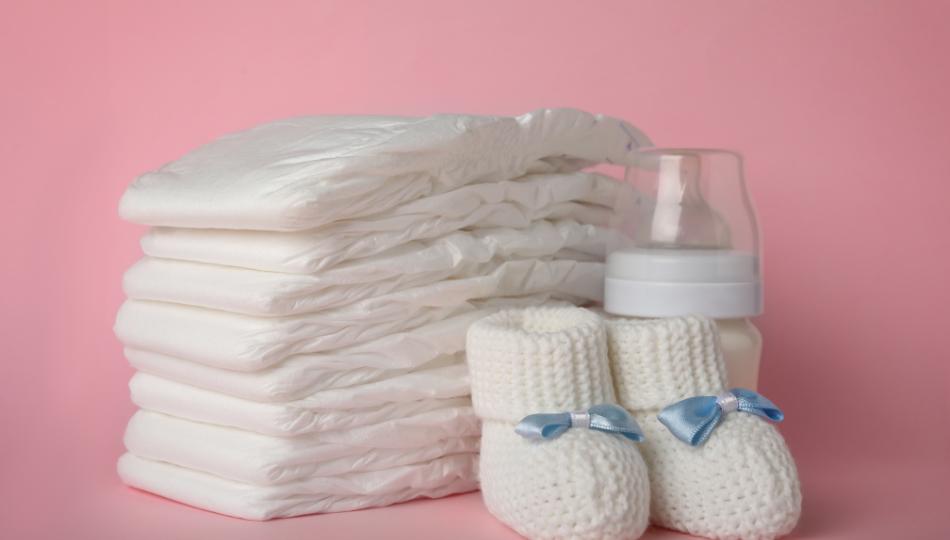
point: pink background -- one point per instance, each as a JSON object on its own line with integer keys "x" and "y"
{"x": 840, "y": 108}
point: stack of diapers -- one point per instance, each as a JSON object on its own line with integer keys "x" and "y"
{"x": 298, "y": 320}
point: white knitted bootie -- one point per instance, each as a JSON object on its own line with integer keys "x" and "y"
{"x": 583, "y": 484}
{"x": 741, "y": 482}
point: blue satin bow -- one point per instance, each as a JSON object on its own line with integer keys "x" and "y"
{"x": 694, "y": 419}
{"x": 606, "y": 417}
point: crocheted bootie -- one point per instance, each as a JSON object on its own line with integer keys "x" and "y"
{"x": 741, "y": 482}
{"x": 583, "y": 484}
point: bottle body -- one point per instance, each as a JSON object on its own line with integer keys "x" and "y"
{"x": 741, "y": 344}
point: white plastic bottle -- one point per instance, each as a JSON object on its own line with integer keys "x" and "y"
{"x": 685, "y": 241}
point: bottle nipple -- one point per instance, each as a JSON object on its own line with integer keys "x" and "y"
{"x": 681, "y": 217}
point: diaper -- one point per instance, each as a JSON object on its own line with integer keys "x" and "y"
{"x": 305, "y": 172}
{"x": 246, "y": 343}
{"x": 266, "y": 460}
{"x": 315, "y": 250}
{"x": 441, "y": 416}
{"x": 445, "y": 379}
{"x": 462, "y": 254}
{"x": 303, "y": 373}
{"x": 253, "y": 292}
{"x": 291, "y": 379}
{"x": 437, "y": 478}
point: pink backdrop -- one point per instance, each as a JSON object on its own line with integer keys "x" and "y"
{"x": 840, "y": 108}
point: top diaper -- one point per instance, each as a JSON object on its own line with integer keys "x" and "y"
{"x": 306, "y": 172}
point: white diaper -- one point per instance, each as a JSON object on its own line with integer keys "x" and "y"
{"x": 460, "y": 255}
{"x": 435, "y": 415}
{"x": 254, "y": 292}
{"x": 245, "y": 343}
{"x": 266, "y": 460}
{"x": 437, "y": 478}
{"x": 318, "y": 249}
{"x": 445, "y": 379}
{"x": 291, "y": 379}
{"x": 301, "y": 374}
{"x": 305, "y": 172}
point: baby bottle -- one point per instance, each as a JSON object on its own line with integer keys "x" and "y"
{"x": 685, "y": 241}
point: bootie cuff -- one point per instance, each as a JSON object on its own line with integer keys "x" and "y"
{"x": 656, "y": 362}
{"x": 543, "y": 359}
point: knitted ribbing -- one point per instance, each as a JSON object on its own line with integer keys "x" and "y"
{"x": 583, "y": 485}
{"x": 658, "y": 361}
{"x": 539, "y": 359}
{"x": 742, "y": 482}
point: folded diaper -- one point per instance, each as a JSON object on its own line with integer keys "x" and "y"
{"x": 524, "y": 202}
{"x": 244, "y": 343}
{"x": 310, "y": 251}
{"x": 306, "y": 172}
{"x": 461, "y": 254}
{"x": 254, "y": 292}
{"x": 291, "y": 379}
{"x": 445, "y": 379}
{"x": 437, "y": 478}
{"x": 435, "y": 415}
{"x": 266, "y": 460}
{"x": 301, "y": 374}
{"x": 240, "y": 342}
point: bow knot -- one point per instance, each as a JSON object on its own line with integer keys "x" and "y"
{"x": 693, "y": 420}
{"x": 606, "y": 417}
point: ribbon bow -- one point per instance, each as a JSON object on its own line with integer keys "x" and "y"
{"x": 606, "y": 417}
{"x": 693, "y": 419}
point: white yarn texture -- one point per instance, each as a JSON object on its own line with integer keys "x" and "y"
{"x": 582, "y": 485}
{"x": 742, "y": 482}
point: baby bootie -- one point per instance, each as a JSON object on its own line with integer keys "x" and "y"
{"x": 572, "y": 470}
{"x": 729, "y": 474}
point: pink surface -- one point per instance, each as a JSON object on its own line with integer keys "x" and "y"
{"x": 840, "y": 108}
